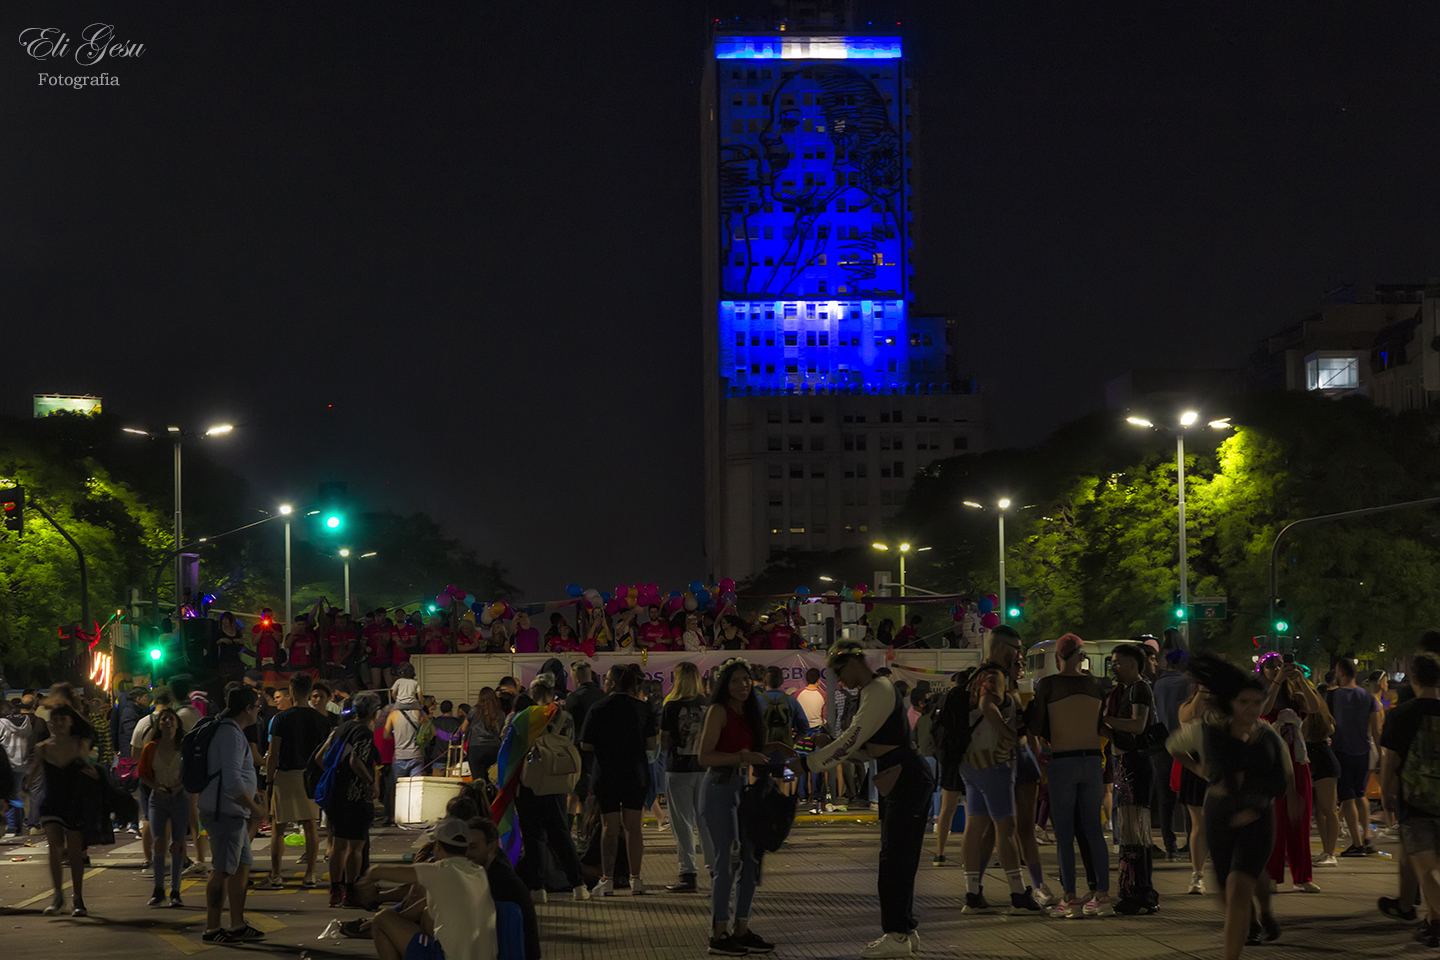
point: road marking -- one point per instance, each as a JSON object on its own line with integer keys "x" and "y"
{"x": 185, "y": 944}
{"x": 46, "y": 896}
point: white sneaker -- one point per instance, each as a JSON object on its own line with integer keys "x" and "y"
{"x": 1329, "y": 861}
{"x": 274, "y": 882}
{"x": 1197, "y": 884}
{"x": 309, "y": 882}
{"x": 1043, "y": 895}
{"x": 1308, "y": 886}
{"x": 914, "y": 941}
{"x": 196, "y": 869}
{"x": 1068, "y": 910}
{"x": 637, "y": 887}
{"x": 892, "y": 945}
{"x": 539, "y": 896}
{"x": 581, "y": 892}
{"x": 1099, "y": 906}
{"x": 605, "y": 888}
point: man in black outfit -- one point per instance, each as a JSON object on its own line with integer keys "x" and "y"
{"x": 586, "y": 694}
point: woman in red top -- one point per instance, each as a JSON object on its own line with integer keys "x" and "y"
{"x": 377, "y": 639}
{"x": 300, "y": 648}
{"x": 469, "y": 640}
{"x": 781, "y": 636}
{"x": 563, "y": 639}
{"x": 404, "y": 640}
{"x": 730, "y": 741}
{"x": 266, "y": 640}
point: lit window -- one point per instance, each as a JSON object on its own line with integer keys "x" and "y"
{"x": 1332, "y": 373}
{"x": 797, "y": 529}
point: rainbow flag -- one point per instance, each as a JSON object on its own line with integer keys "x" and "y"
{"x": 525, "y": 728}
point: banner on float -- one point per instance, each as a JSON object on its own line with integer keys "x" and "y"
{"x": 661, "y": 666}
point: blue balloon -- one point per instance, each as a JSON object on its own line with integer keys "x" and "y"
{"x": 703, "y": 597}
{"x": 985, "y": 605}
{"x": 802, "y": 591}
{"x": 575, "y": 590}
{"x": 696, "y": 586}
{"x": 675, "y": 593}
{"x": 476, "y": 608}
{"x": 605, "y": 595}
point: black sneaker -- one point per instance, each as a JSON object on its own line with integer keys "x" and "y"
{"x": 157, "y": 898}
{"x": 753, "y": 942}
{"x": 727, "y": 946}
{"x": 939, "y": 860}
{"x": 246, "y": 934}
{"x": 1023, "y": 904}
{"x": 975, "y": 903}
{"x": 1271, "y": 929}
{"x": 218, "y": 935}
{"x": 1427, "y": 934}
{"x": 1390, "y": 906}
{"x": 1135, "y": 908}
{"x": 1254, "y": 939}
{"x": 1354, "y": 850}
{"x": 1369, "y": 847}
{"x": 175, "y": 900}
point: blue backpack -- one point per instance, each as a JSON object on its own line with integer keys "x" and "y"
{"x": 328, "y": 787}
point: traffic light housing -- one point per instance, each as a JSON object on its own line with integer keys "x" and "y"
{"x": 1178, "y": 609}
{"x": 334, "y": 500}
{"x": 12, "y": 505}
{"x": 1014, "y": 603}
{"x": 1282, "y": 623}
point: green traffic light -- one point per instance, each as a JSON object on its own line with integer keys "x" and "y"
{"x": 432, "y": 608}
{"x": 333, "y": 522}
{"x": 1281, "y": 626}
{"x": 156, "y": 654}
{"x": 1014, "y": 611}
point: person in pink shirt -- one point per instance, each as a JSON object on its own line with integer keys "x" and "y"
{"x": 780, "y": 635}
{"x": 265, "y": 638}
{"x": 562, "y": 639}
{"x": 406, "y": 638}
{"x": 469, "y": 640}
{"x": 527, "y": 638}
{"x": 436, "y": 635}
{"x": 377, "y": 639}
{"x": 654, "y": 634}
{"x": 301, "y": 647}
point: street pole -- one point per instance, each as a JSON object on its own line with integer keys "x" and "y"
{"x": 179, "y": 536}
{"x": 1184, "y": 561}
{"x": 902, "y": 573}
{"x": 1002, "y": 566}
{"x": 287, "y": 576}
{"x": 348, "y": 604}
{"x": 1275, "y": 547}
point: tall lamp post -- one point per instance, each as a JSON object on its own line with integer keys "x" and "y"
{"x": 178, "y": 435}
{"x": 1187, "y": 419}
{"x": 285, "y": 511}
{"x": 1001, "y": 506}
{"x": 902, "y": 549}
{"x": 345, "y": 555}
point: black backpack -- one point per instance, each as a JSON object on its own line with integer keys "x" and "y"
{"x": 766, "y": 815}
{"x": 195, "y": 754}
{"x": 951, "y": 728}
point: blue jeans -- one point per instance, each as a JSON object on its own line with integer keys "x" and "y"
{"x": 174, "y": 811}
{"x": 719, "y": 812}
{"x": 413, "y": 767}
{"x": 15, "y": 812}
{"x": 1076, "y": 782}
{"x": 682, "y": 791}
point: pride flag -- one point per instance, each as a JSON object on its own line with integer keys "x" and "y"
{"x": 525, "y": 728}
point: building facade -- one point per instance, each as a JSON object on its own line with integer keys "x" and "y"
{"x": 825, "y": 389}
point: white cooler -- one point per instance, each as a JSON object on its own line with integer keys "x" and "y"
{"x": 423, "y": 799}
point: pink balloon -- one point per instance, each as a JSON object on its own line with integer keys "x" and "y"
{"x": 990, "y": 621}
{"x": 994, "y": 600}
{"x": 452, "y": 589}
{"x": 443, "y": 600}
{"x": 861, "y": 587}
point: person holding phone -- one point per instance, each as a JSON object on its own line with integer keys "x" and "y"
{"x": 1289, "y": 703}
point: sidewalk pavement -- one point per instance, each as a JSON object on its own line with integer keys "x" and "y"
{"x": 817, "y": 900}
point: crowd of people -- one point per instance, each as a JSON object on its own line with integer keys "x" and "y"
{"x": 1164, "y": 747}
{"x": 327, "y": 643}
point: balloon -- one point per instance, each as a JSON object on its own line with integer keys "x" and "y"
{"x": 469, "y": 617}
{"x": 593, "y": 596}
{"x": 673, "y": 604}
{"x": 802, "y": 591}
{"x": 452, "y": 589}
{"x": 729, "y": 596}
{"x": 696, "y": 586}
{"x": 994, "y": 600}
{"x": 857, "y": 594}
{"x": 675, "y": 593}
{"x": 990, "y": 621}
{"x": 986, "y": 604}
{"x": 690, "y": 603}
{"x": 727, "y": 585}
{"x": 469, "y": 599}
{"x": 861, "y": 587}
{"x": 476, "y": 607}
{"x": 606, "y": 595}
{"x": 486, "y": 619}
{"x": 575, "y": 590}
{"x": 443, "y": 600}
{"x": 703, "y": 598}
{"x": 957, "y": 616}
{"x": 497, "y": 608}
{"x": 652, "y": 588}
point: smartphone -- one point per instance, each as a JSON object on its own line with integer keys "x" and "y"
{"x": 1288, "y": 658}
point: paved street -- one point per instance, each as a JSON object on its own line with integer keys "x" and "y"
{"x": 817, "y": 901}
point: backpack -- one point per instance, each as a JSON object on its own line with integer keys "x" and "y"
{"x": 327, "y": 790}
{"x": 777, "y": 720}
{"x": 766, "y": 814}
{"x": 16, "y": 739}
{"x": 950, "y": 727}
{"x": 195, "y": 754}
{"x": 1420, "y": 769}
{"x": 552, "y": 766}
{"x": 425, "y": 735}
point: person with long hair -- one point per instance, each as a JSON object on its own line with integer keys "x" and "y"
{"x": 169, "y": 803}
{"x": 681, "y": 720}
{"x": 482, "y": 732}
{"x": 65, "y": 760}
{"x": 352, "y": 809}
{"x": 878, "y": 731}
{"x": 731, "y": 740}
{"x": 542, "y": 817}
{"x": 1247, "y": 766}
{"x": 1066, "y": 712}
{"x": 1289, "y": 703}
{"x": 622, "y": 733}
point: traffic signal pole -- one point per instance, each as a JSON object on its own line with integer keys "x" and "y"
{"x": 1184, "y": 559}
{"x": 1343, "y": 515}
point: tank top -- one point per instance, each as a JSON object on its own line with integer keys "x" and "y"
{"x": 736, "y": 735}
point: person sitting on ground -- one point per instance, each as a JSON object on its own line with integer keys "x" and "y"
{"x": 458, "y": 921}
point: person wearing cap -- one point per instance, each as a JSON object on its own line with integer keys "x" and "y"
{"x": 459, "y": 918}
{"x": 880, "y": 731}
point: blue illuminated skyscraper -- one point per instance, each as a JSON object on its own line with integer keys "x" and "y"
{"x": 812, "y": 339}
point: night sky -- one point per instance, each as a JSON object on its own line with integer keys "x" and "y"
{"x": 449, "y": 253}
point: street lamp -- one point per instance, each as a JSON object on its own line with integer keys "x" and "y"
{"x": 345, "y": 555}
{"x": 1001, "y": 506}
{"x": 902, "y": 549}
{"x": 178, "y": 435}
{"x": 1188, "y": 418}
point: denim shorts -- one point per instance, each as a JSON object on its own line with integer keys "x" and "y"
{"x": 229, "y": 843}
{"x": 989, "y": 792}
{"x": 1354, "y": 776}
